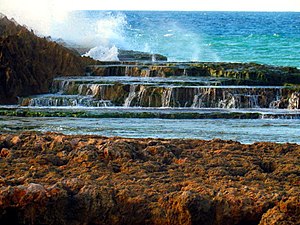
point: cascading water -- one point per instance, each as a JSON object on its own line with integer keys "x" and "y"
{"x": 199, "y": 97}
{"x": 166, "y": 97}
{"x": 64, "y": 100}
{"x": 181, "y": 97}
{"x": 294, "y": 101}
{"x": 124, "y": 88}
{"x": 150, "y": 94}
{"x": 131, "y": 96}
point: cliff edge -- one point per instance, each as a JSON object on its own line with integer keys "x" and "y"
{"x": 28, "y": 63}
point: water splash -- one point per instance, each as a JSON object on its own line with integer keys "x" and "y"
{"x": 169, "y": 36}
{"x": 102, "y": 32}
{"x": 104, "y": 53}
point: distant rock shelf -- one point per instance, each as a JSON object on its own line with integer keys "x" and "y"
{"x": 239, "y": 73}
{"x": 129, "y": 55}
{"x": 123, "y": 55}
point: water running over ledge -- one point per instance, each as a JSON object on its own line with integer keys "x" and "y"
{"x": 165, "y": 92}
{"x": 170, "y": 100}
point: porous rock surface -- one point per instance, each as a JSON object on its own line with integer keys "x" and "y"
{"x": 58, "y": 179}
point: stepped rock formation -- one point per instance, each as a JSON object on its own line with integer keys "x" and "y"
{"x": 155, "y": 94}
{"x": 58, "y": 179}
{"x": 238, "y": 73}
{"x": 29, "y": 63}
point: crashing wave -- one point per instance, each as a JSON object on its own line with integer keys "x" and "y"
{"x": 104, "y": 53}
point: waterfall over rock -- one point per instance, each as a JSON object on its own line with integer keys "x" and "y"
{"x": 165, "y": 85}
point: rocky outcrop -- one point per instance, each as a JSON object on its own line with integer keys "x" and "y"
{"x": 123, "y": 55}
{"x": 162, "y": 93}
{"x": 129, "y": 55}
{"x": 58, "y": 179}
{"x": 28, "y": 63}
{"x": 236, "y": 73}
{"x": 286, "y": 211}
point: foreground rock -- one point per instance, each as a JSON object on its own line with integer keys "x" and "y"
{"x": 58, "y": 179}
{"x": 29, "y": 63}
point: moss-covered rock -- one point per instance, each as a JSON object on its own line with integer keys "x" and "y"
{"x": 238, "y": 73}
{"x": 129, "y": 55}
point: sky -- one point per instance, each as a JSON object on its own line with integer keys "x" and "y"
{"x": 205, "y": 5}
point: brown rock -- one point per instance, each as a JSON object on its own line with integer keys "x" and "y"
{"x": 286, "y": 212}
{"x": 29, "y": 63}
{"x": 4, "y": 152}
{"x": 60, "y": 179}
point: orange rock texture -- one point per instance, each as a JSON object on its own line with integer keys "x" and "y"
{"x": 58, "y": 179}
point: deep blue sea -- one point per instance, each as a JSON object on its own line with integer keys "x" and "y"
{"x": 262, "y": 37}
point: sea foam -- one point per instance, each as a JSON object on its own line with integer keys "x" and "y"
{"x": 101, "y": 32}
{"x": 103, "y": 53}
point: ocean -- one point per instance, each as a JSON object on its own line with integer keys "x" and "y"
{"x": 263, "y": 37}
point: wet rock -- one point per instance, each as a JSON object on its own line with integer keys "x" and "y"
{"x": 156, "y": 94}
{"x": 129, "y": 55}
{"x": 232, "y": 73}
{"x": 123, "y": 55}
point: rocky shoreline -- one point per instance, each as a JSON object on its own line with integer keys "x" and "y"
{"x": 50, "y": 178}
{"x": 29, "y": 65}
{"x": 58, "y": 179}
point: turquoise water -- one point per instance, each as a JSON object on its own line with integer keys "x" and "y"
{"x": 262, "y": 37}
{"x": 245, "y": 131}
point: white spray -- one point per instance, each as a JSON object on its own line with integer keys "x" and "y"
{"x": 103, "y": 34}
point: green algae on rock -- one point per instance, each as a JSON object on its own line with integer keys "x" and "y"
{"x": 240, "y": 73}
